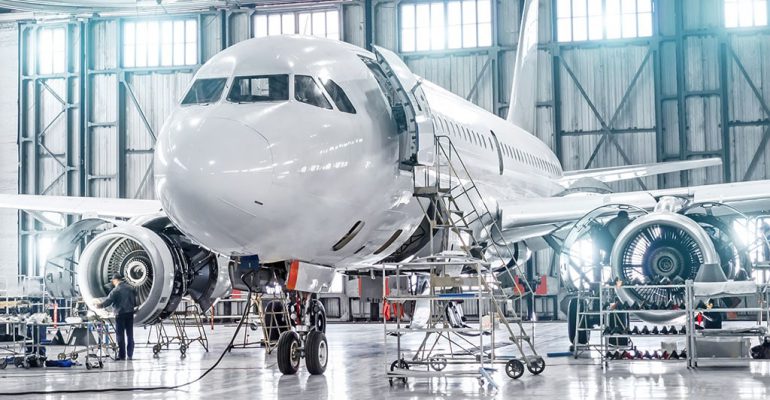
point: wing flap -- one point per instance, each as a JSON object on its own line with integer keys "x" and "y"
{"x": 614, "y": 174}
{"x": 753, "y": 196}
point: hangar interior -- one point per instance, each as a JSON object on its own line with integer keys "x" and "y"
{"x": 85, "y": 89}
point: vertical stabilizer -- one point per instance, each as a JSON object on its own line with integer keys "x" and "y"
{"x": 522, "y": 109}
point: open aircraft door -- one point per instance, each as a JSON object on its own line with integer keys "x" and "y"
{"x": 410, "y": 109}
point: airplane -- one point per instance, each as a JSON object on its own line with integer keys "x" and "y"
{"x": 289, "y": 158}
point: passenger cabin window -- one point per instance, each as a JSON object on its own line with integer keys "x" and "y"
{"x": 204, "y": 91}
{"x": 338, "y": 96}
{"x": 308, "y": 92}
{"x": 254, "y": 89}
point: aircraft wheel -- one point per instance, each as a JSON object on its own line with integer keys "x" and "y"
{"x": 572, "y": 322}
{"x": 318, "y": 313}
{"x": 537, "y": 366}
{"x": 316, "y": 352}
{"x": 289, "y": 353}
{"x": 514, "y": 369}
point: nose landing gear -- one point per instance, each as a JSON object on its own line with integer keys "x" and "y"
{"x": 305, "y": 340}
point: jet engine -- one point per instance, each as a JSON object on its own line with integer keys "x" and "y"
{"x": 158, "y": 261}
{"x": 661, "y": 247}
{"x": 648, "y": 250}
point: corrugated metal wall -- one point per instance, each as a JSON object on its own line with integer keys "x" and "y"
{"x": 9, "y": 44}
{"x": 678, "y": 116}
{"x": 460, "y": 71}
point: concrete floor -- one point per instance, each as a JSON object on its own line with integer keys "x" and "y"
{"x": 357, "y": 371}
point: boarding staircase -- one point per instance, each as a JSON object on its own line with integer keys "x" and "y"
{"x": 457, "y": 212}
{"x": 455, "y": 208}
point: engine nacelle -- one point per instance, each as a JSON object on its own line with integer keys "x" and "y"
{"x": 157, "y": 260}
{"x": 655, "y": 246}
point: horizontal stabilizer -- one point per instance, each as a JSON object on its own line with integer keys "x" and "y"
{"x": 614, "y": 174}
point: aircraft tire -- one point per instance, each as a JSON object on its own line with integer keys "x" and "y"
{"x": 316, "y": 352}
{"x": 289, "y": 353}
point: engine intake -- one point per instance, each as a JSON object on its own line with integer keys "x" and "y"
{"x": 157, "y": 260}
{"x": 656, "y": 246}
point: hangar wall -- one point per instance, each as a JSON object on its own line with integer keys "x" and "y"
{"x": 694, "y": 89}
{"x": 9, "y": 44}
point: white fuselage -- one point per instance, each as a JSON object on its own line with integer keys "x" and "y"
{"x": 287, "y": 180}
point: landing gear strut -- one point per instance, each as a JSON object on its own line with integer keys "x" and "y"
{"x": 306, "y": 339}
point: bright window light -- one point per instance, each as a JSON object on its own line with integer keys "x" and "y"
{"x": 447, "y": 24}
{"x": 51, "y": 50}
{"x": 318, "y": 23}
{"x": 580, "y": 20}
{"x": 745, "y": 13}
{"x": 160, "y": 43}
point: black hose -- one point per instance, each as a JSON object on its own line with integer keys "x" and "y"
{"x": 137, "y": 389}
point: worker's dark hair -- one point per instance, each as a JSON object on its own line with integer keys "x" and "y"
{"x": 118, "y": 277}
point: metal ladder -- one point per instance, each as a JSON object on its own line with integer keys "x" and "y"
{"x": 270, "y": 319}
{"x": 457, "y": 206}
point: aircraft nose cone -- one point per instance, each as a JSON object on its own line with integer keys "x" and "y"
{"x": 211, "y": 176}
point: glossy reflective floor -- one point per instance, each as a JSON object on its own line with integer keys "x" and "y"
{"x": 357, "y": 371}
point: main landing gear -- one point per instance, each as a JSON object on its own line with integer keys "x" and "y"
{"x": 306, "y": 339}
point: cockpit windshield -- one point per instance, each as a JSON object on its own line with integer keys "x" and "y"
{"x": 205, "y": 91}
{"x": 253, "y": 89}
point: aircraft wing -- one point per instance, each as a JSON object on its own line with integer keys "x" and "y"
{"x": 528, "y": 218}
{"x": 85, "y": 206}
{"x": 613, "y": 174}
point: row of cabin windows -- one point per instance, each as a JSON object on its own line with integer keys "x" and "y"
{"x": 487, "y": 142}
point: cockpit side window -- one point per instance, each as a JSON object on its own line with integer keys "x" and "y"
{"x": 204, "y": 91}
{"x": 306, "y": 90}
{"x": 254, "y": 89}
{"x": 338, "y": 95}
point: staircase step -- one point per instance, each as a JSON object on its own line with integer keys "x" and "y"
{"x": 429, "y": 190}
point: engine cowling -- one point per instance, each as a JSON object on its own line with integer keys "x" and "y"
{"x": 157, "y": 260}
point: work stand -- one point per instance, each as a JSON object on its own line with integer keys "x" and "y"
{"x": 183, "y": 322}
{"x": 268, "y": 313}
